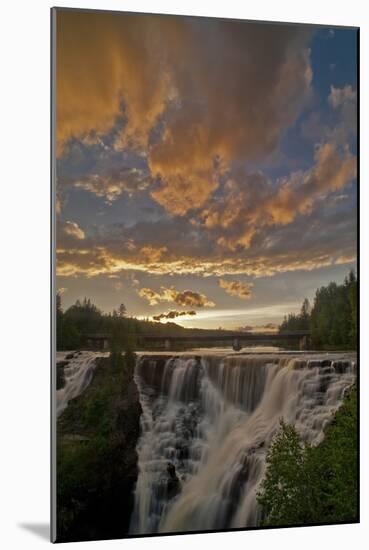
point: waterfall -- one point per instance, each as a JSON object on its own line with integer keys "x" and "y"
{"x": 207, "y": 424}
{"x": 78, "y": 368}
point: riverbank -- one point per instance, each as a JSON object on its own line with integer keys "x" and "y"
{"x": 96, "y": 455}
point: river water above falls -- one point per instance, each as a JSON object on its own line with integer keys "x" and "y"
{"x": 207, "y": 422}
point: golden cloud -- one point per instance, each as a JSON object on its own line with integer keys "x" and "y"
{"x": 188, "y": 81}
{"x": 152, "y": 253}
{"x": 72, "y": 229}
{"x": 102, "y": 60}
{"x": 252, "y": 203}
{"x": 187, "y": 298}
{"x": 100, "y": 261}
{"x": 190, "y": 298}
{"x": 236, "y": 288}
{"x": 150, "y": 295}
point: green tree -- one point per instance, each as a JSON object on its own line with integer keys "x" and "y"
{"x": 281, "y": 493}
{"x": 306, "y": 484}
{"x": 122, "y": 311}
{"x": 351, "y": 284}
{"x": 305, "y": 314}
{"x": 333, "y": 318}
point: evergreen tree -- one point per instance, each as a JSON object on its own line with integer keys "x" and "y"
{"x": 122, "y": 311}
{"x": 333, "y": 318}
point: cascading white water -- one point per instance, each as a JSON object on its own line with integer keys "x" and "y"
{"x": 207, "y": 424}
{"x": 78, "y": 373}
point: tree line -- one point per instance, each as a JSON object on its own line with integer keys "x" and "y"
{"x": 332, "y": 320}
{"x": 84, "y": 318}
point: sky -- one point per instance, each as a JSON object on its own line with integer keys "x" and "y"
{"x": 206, "y": 168}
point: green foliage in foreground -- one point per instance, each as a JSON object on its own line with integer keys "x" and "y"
{"x": 96, "y": 458}
{"x": 308, "y": 485}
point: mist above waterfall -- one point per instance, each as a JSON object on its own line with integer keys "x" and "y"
{"x": 206, "y": 426}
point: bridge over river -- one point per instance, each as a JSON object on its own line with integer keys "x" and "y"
{"x": 237, "y": 340}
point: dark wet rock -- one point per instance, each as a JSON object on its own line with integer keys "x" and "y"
{"x": 173, "y": 482}
{"x": 182, "y": 452}
{"x": 60, "y": 376}
{"x": 234, "y": 491}
{"x": 324, "y": 382}
{"x": 313, "y": 364}
{"x": 341, "y": 366}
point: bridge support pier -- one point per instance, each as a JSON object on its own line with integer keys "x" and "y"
{"x": 303, "y": 344}
{"x": 236, "y": 345}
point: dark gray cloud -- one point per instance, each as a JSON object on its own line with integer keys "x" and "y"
{"x": 98, "y": 168}
{"x": 173, "y": 314}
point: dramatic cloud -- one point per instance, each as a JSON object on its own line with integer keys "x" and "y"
{"x": 194, "y": 299}
{"x": 153, "y": 254}
{"x": 98, "y": 168}
{"x": 312, "y": 251}
{"x": 186, "y": 160}
{"x": 151, "y": 296}
{"x": 104, "y": 59}
{"x": 324, "y": 237}
{"x": 191, "y": 118}
{"x": 173, "y": 315}
{"x": 251, "y": 202}
{"x": 72, "y": 229}
{"x": 236, "y": 288}
{"x": 221, "y": 117}
{"x": 185, "y": 298}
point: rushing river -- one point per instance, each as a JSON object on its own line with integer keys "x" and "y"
{"x": 208, "y": 419}
{"x": 207, "y": 422}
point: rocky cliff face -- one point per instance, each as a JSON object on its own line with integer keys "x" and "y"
{"x": 96, "y": 459}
